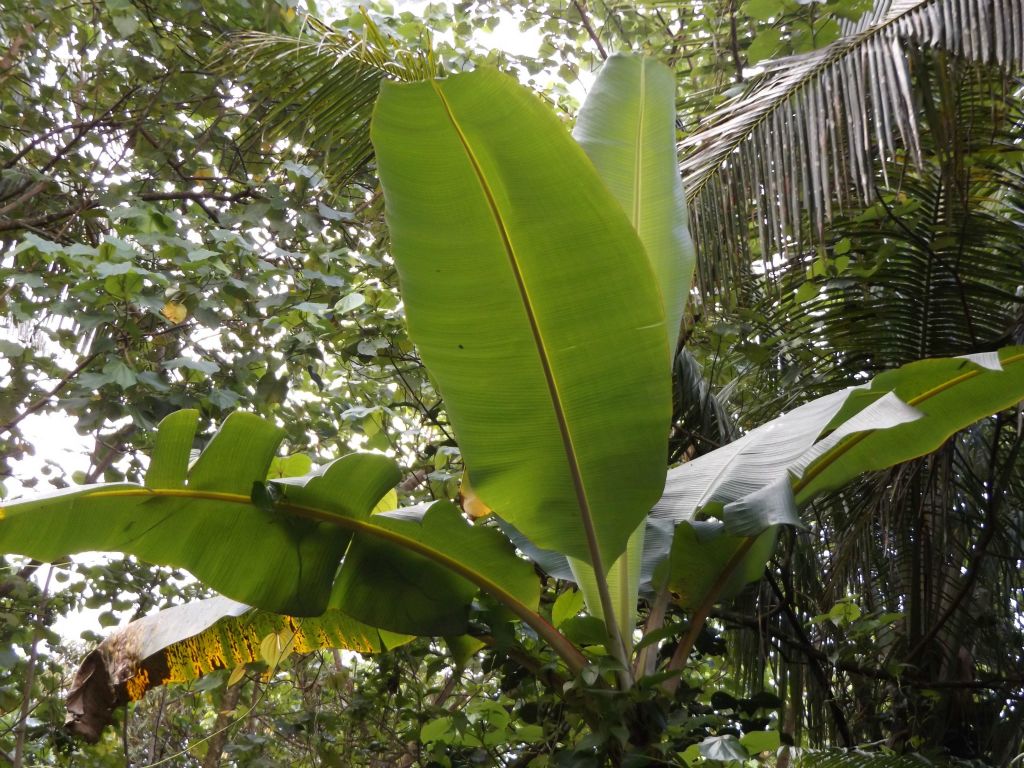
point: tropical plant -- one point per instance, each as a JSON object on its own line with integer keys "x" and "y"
{"x": 543, "y": 281}
{"x": 900, "y": 241}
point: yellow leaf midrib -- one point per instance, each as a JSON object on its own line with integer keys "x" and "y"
{"x": 575, "y": 471}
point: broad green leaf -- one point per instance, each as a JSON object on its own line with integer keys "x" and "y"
{"x": 762, "y": 10}
{"x": 440, "y": 601}
{"x": 533, "y": 305}
{"x": 183, "y": 643}
{"x": 567, "y": 605}
{"x": 724, "y": 748}
{"x": 950, "y": 394}
{"x": 764, "y": 46}
{"x": 168, "y": 466}
{"x": 702, "y": 553}
{"x": 414, "y": 570}
{"x": 436, "y": 730}
{"x": 463, "y": 647}
{"x": 294, "y": 465}
{"x": 212, "y": 527}
{"x": 627, "y": 127}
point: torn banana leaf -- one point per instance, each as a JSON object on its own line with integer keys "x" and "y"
{"x": 183, "y": 643}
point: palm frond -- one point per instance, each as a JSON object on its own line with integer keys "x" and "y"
{"x": 804, "y": 138}
{"x": 932, "y": 265}
{"x": 318, "y": 88}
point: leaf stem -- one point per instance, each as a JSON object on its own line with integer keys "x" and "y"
{"x": 700, "y": 616}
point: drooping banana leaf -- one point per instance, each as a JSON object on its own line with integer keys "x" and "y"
{"x": 533, "y": 305}
{"x": 183, "y": 643}
{"x": 209, "y": 519}
{"x": 277, "y": 544}
{"x": 898, "y": 416}
{"x": 951, "y": 393}
{"x": 743, "y": 483}
{"x": 923, "y": 403}
{"x": 440, "y": 597}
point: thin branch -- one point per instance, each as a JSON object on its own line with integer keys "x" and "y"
{"x": 30, "y": 671}
{"x": 157, "y": 717}
{"x": 590, "y": 28}
{"x": 41, "y": 403}
{"x": 816, "y": 669}
{"x": 28, "y": 194}
{"x": 734, "y": 42}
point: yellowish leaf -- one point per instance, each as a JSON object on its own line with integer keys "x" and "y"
{"x": 175, "y": 312}
{"x": 387, "y": 503}
{"x": 236, "y": 675}
{"x": 269, "y": 650}
{"x": 471, "y": 503}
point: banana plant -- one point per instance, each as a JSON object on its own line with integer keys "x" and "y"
{"x": 543, "y": 279}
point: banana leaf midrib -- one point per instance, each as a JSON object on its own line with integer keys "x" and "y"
{"x": 639, "y": 148}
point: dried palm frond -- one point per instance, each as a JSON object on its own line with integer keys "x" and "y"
{"x": 804, "y": 138}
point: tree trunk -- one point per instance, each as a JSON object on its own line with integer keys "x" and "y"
{"x": 220, "y": 727}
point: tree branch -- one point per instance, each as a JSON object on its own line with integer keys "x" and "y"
{"x": 590, "y": 28}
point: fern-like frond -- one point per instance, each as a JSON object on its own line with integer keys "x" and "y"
{"x": 318, "y": 88}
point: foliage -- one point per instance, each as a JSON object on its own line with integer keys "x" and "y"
{"x": 530, "y": 329}
{"x": 760, "y": 356}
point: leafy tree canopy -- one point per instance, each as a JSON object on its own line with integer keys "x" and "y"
{"x": 192, "y": 219}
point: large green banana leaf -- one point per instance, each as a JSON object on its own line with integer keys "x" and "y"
{"x": 900, "y": 415}
{"x": 277, "y": 544}
{"x": 755, "y": 482}
{"x": 206, "y": 521}
{"x": 183, "y": 643}
{"x": 627, "y": 127}
{"x": 533, "y": 305}
{"x": 950, "y": 393}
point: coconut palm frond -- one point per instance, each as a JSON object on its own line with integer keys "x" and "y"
{"x": 318, "y": 88}
{"x": 931, "y": 267}
{"x": 804, "y": 138}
